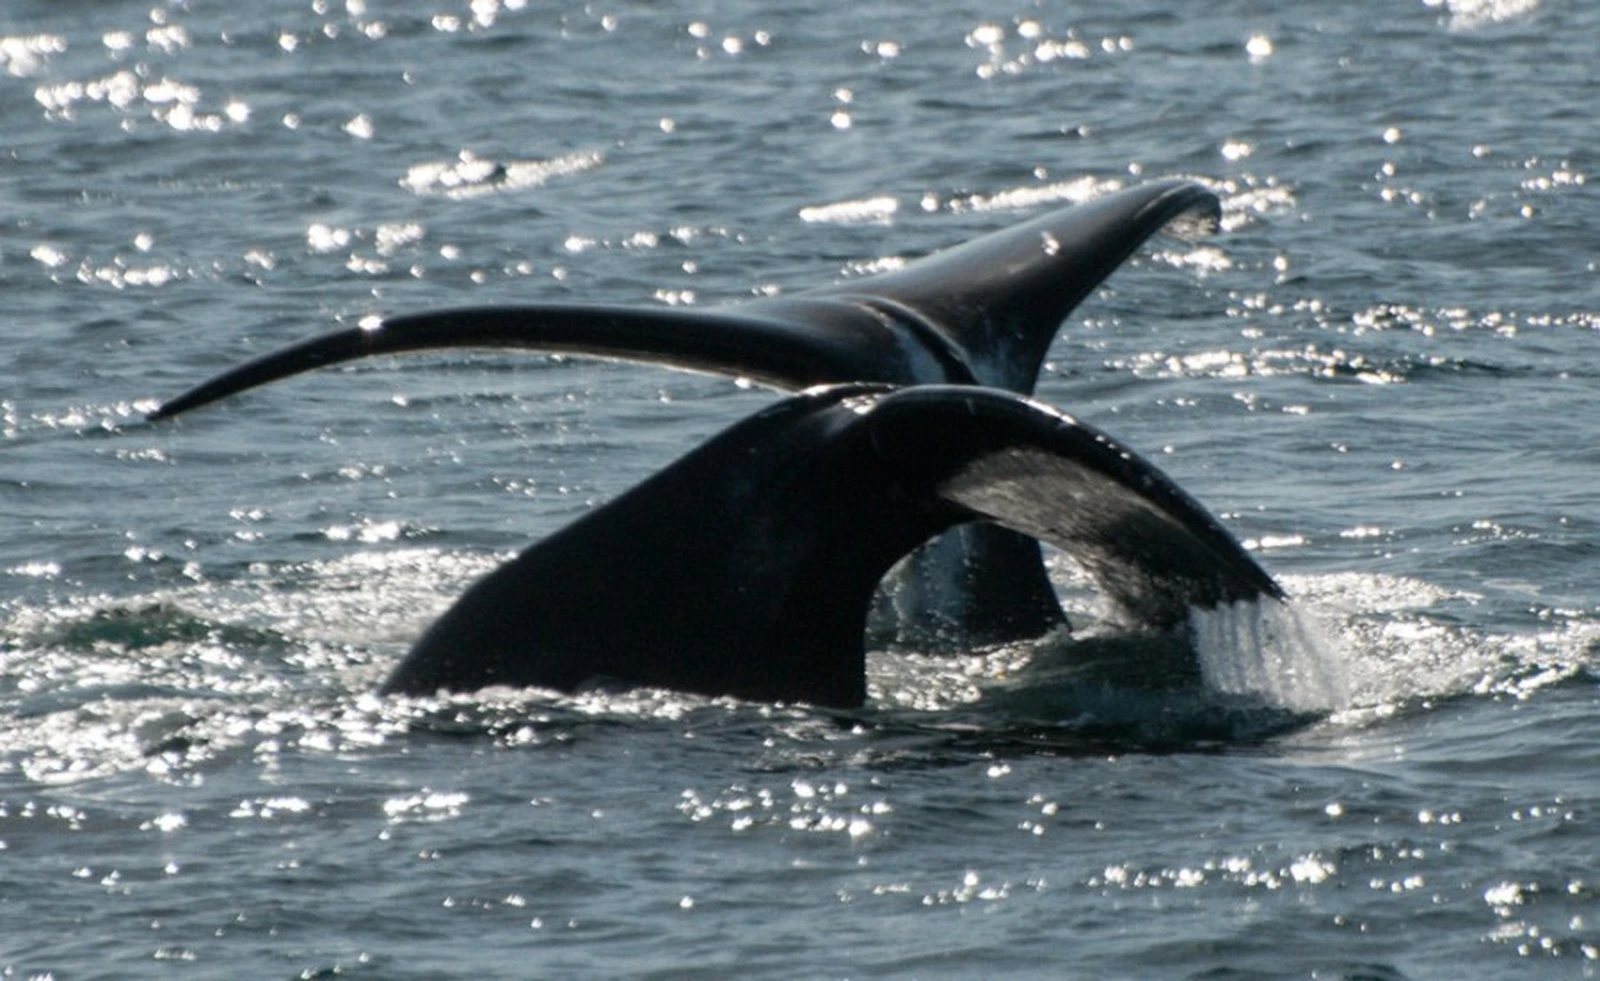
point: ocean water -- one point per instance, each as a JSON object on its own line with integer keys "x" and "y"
{"x": 1382, "y": 375}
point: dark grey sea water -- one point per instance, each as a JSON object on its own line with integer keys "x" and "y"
{"x": 1384, "y": 375}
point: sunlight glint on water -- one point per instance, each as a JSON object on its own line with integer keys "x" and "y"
{"x": 1377, "y": 371}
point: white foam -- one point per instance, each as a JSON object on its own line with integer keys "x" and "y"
{"x": 1269, "y": 650}
{"x": 877, "y": 210}
{"x": 470, "y": 176}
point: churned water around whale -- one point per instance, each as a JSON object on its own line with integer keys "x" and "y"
{"x": 1379, "y": 376}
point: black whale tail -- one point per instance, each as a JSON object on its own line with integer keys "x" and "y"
{"x": 737, "y": 341}
{"x": 747, "y": 567}
{"x": 997, "y": 301}
{"x": 980, "y": 313}
{"x": 984, "y": 312}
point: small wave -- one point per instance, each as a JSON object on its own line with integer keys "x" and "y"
{"x": 1335, "y": 363}
{"x": 1030, "y": 45}
{"x": 166, "y": 100}
{"x": 1466, "y": 15}
{"x": 1247, "y": 198}
{"x": 1400, "y": 644}
{"x": 127, "y": 629}
{"x": 25, "y": 55}
{"x": 1075, "y": 191}
{"x": 470, "y": 176}
{"x": 880, "y": 210}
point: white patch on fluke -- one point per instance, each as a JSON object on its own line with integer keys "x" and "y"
{"x": 1270, "y": 650}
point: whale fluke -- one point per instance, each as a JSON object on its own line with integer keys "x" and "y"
{"x": 983, "y": 312}
{"x": 747, "y": 567}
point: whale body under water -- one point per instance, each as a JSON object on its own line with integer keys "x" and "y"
{"x": 749, "y": 566}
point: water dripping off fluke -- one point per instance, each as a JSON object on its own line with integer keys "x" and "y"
{"x": 1270, "y": 650}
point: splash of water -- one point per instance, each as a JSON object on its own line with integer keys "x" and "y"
{"x": 1270, "y": 650}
